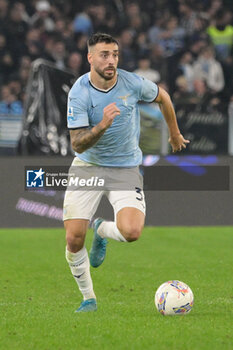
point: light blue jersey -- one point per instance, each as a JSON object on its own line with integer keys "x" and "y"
{"x": 119, "y": 145}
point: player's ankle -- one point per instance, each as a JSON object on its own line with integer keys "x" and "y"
{"x": 89, "y": 296}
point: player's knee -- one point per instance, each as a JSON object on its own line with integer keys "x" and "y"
{"x": 131, "y": 233}
{"x": 75, "y": 239}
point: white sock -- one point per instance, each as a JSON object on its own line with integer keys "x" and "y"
{"x": 80, "y": 269}
{"x": 108, "y": 229}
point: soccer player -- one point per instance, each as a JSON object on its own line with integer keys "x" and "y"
{"x": 104, "y": 124}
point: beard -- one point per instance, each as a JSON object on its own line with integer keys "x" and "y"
{"x": 105, "y": 75}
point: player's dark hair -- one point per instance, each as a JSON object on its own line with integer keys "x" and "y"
{"x": 101, "y": 38}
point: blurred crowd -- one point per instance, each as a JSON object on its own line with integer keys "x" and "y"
{"x": 184, "y": 45}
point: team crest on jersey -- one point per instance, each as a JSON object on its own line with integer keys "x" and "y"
{"x": 124, "y": 99}
{"x": 70, "y": 112}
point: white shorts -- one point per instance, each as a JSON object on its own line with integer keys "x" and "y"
{"x": 83, "y": 204}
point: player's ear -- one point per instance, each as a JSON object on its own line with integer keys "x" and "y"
{"x": 89, "y": 57}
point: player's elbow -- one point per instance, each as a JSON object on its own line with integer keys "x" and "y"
{"x": 77, "y": 147}
{"x": 79, "y": 150}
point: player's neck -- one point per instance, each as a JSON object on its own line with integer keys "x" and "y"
{"x": 100, "y": 82}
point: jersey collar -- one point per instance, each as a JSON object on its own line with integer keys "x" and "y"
{"x": 98, "y": 89}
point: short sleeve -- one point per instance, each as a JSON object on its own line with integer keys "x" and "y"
{"x": 77, "y": 116}
{"x": 149, "y": 90}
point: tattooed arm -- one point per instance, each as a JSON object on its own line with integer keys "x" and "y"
{"x": 82, "y": 139}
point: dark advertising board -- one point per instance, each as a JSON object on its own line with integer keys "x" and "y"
{"x": 179, "y": 190}
{"x": 205, "y": 125}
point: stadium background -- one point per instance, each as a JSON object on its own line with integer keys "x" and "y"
{"x": 174, "y": 43}
{"x": 42, "y": 49}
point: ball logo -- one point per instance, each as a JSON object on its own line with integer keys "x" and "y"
{"x": 162, "y": 302}
{"x": 35, "y": 178}
{"x": 183, "y": 309}
{"x": 179, "y": 287}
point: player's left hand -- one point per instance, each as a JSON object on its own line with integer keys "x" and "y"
{"x": 178, "y": 143}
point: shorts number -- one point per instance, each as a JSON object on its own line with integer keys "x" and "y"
{"x": 139, "y": 192}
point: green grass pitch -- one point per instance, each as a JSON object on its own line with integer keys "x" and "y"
{"x": 38, "y": 295}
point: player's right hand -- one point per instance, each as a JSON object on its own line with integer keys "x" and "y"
{"x": 110, "y": 113}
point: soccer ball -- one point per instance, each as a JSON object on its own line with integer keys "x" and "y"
{"x": 174, "y": 298}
